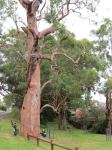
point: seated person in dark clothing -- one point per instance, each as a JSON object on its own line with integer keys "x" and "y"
{"x": 43, "y": 133}
{"x": 14, "y": 126}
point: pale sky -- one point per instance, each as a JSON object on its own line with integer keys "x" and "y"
{"x": 80, "y": 27}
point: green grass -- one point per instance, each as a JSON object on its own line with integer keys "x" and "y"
{"x": 71, "y": 138}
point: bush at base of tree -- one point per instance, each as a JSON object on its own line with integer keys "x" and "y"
{"x": 47, "y": 115}
{"x": 93, "y": 120}
{"x": 3, "y": 108}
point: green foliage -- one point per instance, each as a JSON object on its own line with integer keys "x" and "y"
{"x": 3, "y": 107}
{"x": 107, "y": 86}
{"x": 93, "y": 118}
{"x": 60, "y": 8}
{"x": 104, "y": 40}
{"x": 103, "y": 46}
{"x": 47, "y": 116}
{"x": 12, "y": 68}
{"x": 7, "y": 8}
{"x": 73, "y": 83}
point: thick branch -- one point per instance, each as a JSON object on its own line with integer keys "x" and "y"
{"x": 64, "y": 54}
{"x": 44, "y": 85}
{"x": 51, "y": 58}
{"x": 35, "y": 36}
{"x": 46, "y": 32}
{"x": 25, "y": 29}
{"x": 59, "y": 105}
{"x": 47, "y": 57}
{"x": 48, "y": 105}
{"x": 24, "y": 3}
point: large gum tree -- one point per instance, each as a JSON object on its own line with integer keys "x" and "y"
{"x": 53, "y": 11}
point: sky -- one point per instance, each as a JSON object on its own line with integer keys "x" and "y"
{"x": 80, "y": 27}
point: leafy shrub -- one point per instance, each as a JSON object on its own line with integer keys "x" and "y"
{"x": 3, "y": 108}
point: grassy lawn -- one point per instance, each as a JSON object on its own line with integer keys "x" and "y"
{"x": 71, "y": 138}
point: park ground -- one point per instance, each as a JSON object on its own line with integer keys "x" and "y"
{"x": 70, "y": 138}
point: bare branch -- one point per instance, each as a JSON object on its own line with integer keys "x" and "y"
{"x": 21, "y": 54}
{"x": 2, "y": 93}
{"x": 25, "y": 29}
{"x": 46, "y": 32}
{"x": 24, "y": 3}
{"x": 51, "y": 58}
{"x": 64, "y": 54}
{"x": 73, "y": 6}
{"x": 35, "y": 37}
{"x": 44, "y": 85}
{"x": 59, "y": 105}
{"x": 63, "y": 14}
{"x": 48, "y": 105}
{"x": 46, "y": 57}
{"x": 43, "y": 7}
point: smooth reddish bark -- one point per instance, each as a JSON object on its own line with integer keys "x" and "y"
{"x": 30, "y": 111}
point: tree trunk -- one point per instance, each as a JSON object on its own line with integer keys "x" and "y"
{"x": 30, "y": 111}
{"x": 61, "y": 120}
{"x": 109, "y": 110}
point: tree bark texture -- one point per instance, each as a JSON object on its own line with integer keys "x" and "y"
{"x": 30, "y": 111}
{"x": 62, "y": 119}
{"x": 109, "y": 110}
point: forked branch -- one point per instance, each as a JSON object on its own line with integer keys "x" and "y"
{"x": 24, "y": 3}
{"x": 51, "y": 58}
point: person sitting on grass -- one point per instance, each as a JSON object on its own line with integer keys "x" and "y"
{"x": 43, "y": 133}
{"x": 14, "y": 126}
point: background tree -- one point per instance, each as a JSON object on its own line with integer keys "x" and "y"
{"x": 103, "y": 48}
{"x": 72, "y": 82}
{"x": 6, "y": 10}
{"x": 13, "y": 68}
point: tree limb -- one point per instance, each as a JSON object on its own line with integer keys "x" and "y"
{"x": 43, "y": 7}
{"x": 51, "y": 58}
{"x": 73, "y": 6}
{"x": 35, "y": 36}
{"x": 25, "y": 29}
{"x": 2, "y": 93}
{"x": 48, "y": 105}
{"x": 44, "y": 85}
{"x": 64, "y": 54}
{"x": 24, "y": 3}
{"x": 63, "y": 15}
{"x": 47, "y": 57}
{"x": 46, "y": 32}
{"x": 21, "y": 54}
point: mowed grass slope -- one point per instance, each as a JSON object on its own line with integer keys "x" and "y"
{"x": 70, "y": 138}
